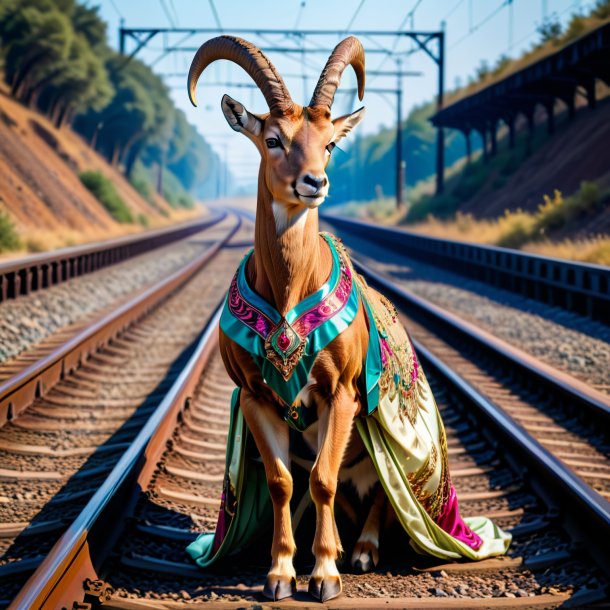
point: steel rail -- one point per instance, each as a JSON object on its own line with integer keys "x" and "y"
{"x": 579, "y": 287}
{"x": 588, "y": 512}
{"x": 21, "y": 276}
{"x": 58, "y": 581}
{"x": 19, "y": 391}
{"x": 578, "y": 393}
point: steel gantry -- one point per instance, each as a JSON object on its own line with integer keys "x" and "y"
{"x": 432, "y": 43}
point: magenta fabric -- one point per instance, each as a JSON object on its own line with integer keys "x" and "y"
{"x": 451, "y": 521}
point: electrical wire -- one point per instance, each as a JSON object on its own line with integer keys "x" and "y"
{"x": 299, "y": 14}
{"x": 114, "y": 6}
{"x": 167, "y": 13}
{"x": 455, "y": 7}
{"x": 410, "y": 15}
{"x": 216, "y": 17}
{"x": 480, "y": 24}
{"x": 575, "y": 5}
{"x": 174, "y": 11}
{"x": 351, "y": 21}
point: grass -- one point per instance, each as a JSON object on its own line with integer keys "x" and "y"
{"x": 103, "y": 190}
{"x": 529, "y": 231}
{"x": 591, "y": 250}
{"x": 9, "y": 239}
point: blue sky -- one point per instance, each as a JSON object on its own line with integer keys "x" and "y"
{"x": 475, "y": 30}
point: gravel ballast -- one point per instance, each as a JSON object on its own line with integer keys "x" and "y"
{"x": 32, "y": 318}
{"x": 570, "y": 342}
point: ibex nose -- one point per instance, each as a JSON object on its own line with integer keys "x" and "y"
{"x": 316, "y": 183}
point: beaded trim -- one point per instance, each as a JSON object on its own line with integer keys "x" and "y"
{"x": 284, "y": 342}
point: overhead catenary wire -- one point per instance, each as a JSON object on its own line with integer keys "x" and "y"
{"x": 297, "y": 21}
{"x": 481, "y": 23}
{"x": 409, "y": 16}
{"x": 116, "y": 9}
{"x": 353, "y": 17}
{"x": 168, "y": 14}
{"x": 575, "y": 5}
{"x": 215, "y": 14}
{"x": 174, "y": 11}
{"x": 453, "y": 9}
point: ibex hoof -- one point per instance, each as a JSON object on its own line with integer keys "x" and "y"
{"x": 279, "y": 587}
{"x": 365, "y": 557}
{"x": 325, "y": 588}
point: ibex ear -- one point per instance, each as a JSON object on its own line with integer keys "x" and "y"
{"x": 344, "y": 124}
{"x": 239, "y": 118}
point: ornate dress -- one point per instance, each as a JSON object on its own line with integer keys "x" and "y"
{"x": 401, "y": 429}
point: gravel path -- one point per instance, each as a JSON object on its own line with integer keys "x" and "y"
{"x": 30, "y": 319}
{"x": 567, "y": 341}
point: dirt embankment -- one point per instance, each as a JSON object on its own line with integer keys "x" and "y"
{"x": 578, "y": 151}
{"x": 40, "y": 187}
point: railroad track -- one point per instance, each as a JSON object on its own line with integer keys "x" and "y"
{"x": 22, "y": 276}
{"x": 71, "y": 414}
{"x": 567, "y": 417}
{"x": 125, "y": 550}
{"x": 583, "y": 288}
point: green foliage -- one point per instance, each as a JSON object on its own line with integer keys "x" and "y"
{"x": 549, "y": 31}
{"x": 9, "y": 239}
{"x": 141, "y": 181}
{"x": 576, "y": 28}
{"x": 106, "y": 194}
{"x": 174, "y": 193}
{"x": 602, "y": 9}
{"x": 516, "y": 229}
{"x": 142, "y": 220}
{"x": 56, "y": 58}
{"x": 368, "y": 165}
{"x": 439, "y": 206}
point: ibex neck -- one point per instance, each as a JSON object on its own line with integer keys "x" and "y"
{"x": 291, "y": 261}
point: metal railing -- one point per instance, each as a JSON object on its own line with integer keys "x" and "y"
{"x": 578, "y": 287}
{"x": 22, "y": 276}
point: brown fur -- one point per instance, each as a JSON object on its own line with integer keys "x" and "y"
{"x": 285, "y": 268}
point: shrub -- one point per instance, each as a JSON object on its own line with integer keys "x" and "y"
{"x": 552, "y": 214}
{"x": 9, "y": 240}
{"x": 142, "y": 220}
{"x": 186, "y": 201}
{"x": 142, "y": 186}
{"x": 441, "y": 206}
{"x": 516, "y": 228}
{"x": 103, "y": 190}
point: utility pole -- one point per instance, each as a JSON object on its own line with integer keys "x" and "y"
{"x": 399, "y": 162}
{"x": 432, "y": 43}
{"x": 440, "y": 132}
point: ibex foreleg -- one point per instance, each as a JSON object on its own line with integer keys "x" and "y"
{"x": 334, "y": 433}
{"x": 271, "y": 436}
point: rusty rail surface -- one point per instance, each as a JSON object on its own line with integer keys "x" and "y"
{"x": 19, "y": 391}
{"x": 22, "y": 276}
{"x": 579, "y": 287}
{"x": 58, "y": 581}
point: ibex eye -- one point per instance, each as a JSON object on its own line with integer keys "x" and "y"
{"x": 329, "y": 147}
{"x": 272, "y": 142}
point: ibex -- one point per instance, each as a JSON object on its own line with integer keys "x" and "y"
{"x": 312, "y": 347}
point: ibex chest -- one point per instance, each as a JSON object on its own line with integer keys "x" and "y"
{"x": 285, "y": 347}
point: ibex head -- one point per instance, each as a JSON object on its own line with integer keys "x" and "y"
{"x": 295, "y": 142}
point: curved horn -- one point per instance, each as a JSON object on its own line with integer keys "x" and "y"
{"x": 347, "y": 52}
{"x": 251, "y": 59}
